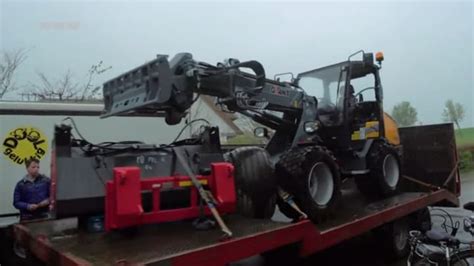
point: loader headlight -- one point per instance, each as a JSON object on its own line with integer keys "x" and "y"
{"x": 260, "y": 132}
{"x": 311, "y": 126}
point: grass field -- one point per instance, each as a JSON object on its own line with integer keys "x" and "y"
{"x": 465, "y": 143}
{"x": 465, "y": 137}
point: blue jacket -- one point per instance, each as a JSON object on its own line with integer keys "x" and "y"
{"x": 28, "y": 192}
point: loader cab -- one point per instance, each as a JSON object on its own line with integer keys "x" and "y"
{"x": 364, "y": 109}
{"x": 327, "y": 85}
{"x": 349, "y": 96}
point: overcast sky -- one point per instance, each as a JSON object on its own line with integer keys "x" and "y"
{"x": 428, "y": 46}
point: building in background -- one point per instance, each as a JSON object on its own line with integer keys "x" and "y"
{"x": 206, "y": 108}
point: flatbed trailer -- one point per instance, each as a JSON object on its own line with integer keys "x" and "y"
{"x": 58, "y": 242}
{"x": 431, "y": 161}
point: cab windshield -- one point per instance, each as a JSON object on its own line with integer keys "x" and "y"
{"x": 327, "y": 85}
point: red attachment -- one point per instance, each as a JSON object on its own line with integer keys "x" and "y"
{"x": 123, "y": 206}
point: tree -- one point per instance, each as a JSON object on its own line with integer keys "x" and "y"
{"x": 9, "y": 63}
{"x": 62, "y": 89}
{"x": 65, "y": 88}
{"x": 95, "y": 70}
{"x": 453, "y": 112}
{"x": 404, "y": 114}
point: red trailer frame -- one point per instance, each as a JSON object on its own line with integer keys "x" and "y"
{"x": 310, "y": 238}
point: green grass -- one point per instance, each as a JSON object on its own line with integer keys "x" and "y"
{"x": 465, "y": 137}
{"x": 244, "y": 139}
{"x": 465, "y": 143}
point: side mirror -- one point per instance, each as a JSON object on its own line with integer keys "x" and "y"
{"x": 311, "y": 126}
{"x": 260, "y": 132}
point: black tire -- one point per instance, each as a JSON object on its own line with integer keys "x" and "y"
{"x": 421, "y": 220}
{"x": 385, "y": 172}
{"x": 394, "y": 238}
{"x": 255, "y": 183}
{"x": 294, "y": 172}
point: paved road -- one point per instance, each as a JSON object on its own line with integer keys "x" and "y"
{"x": 366, "y": 251}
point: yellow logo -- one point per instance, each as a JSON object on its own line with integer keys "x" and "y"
{"x": 23, "y": 143}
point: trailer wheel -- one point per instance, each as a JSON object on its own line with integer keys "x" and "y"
{"x": 384, "y": 176}
{"x": 255, "y": 182}
{"x": 421, "y": 220}
{"x": 394, "y": 238}
{"x": 311, "y": 175}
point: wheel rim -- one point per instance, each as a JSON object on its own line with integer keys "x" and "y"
{"x": 321, "y": 183}
{"x": 391, "y": 171}
{"x": 19, "y": 250}
{"x": 401, "y": 238}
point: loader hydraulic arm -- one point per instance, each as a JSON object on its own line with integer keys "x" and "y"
{"x": 163, "y": 87}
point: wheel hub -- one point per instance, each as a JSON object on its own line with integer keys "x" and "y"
{"x": 391, "y": 170}
{"x": 321, "y": 183}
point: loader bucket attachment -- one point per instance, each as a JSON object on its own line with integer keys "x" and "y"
{"x": 146, "y": 90}
{"x": 430, "y": 156}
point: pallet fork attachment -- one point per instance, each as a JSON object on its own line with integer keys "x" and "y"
{"x": 203, "y": 193}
